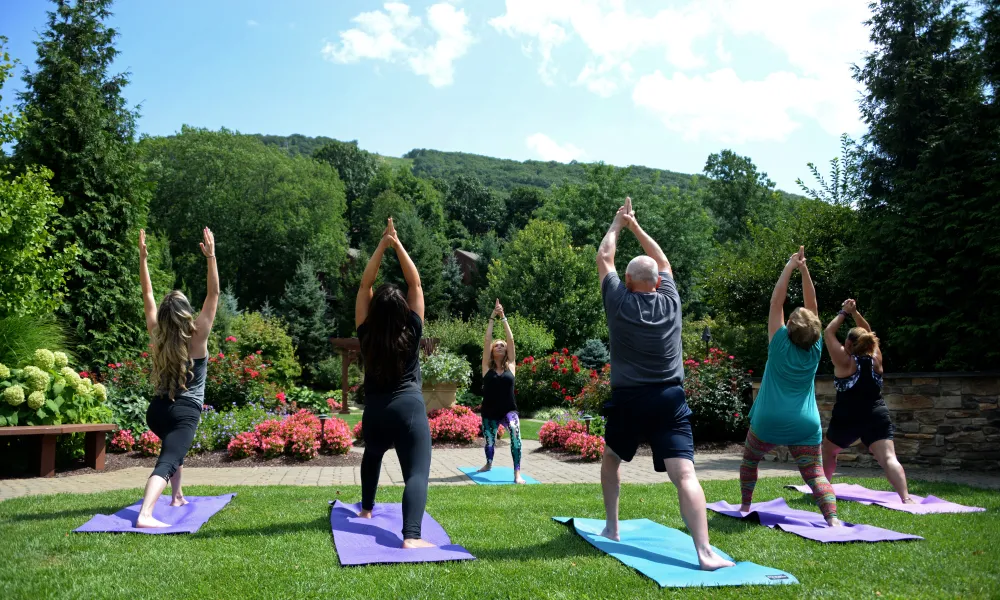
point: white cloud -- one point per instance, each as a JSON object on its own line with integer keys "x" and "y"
{"x": 389, "y": 35}
{"x": 818, "y": 40}
{"x": 548, "y": 149}
{"x": 252, "y": 23}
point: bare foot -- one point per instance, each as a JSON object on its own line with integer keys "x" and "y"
{"x": 710, "y": 561}
{"x": 518, "y": 479}
{"x": 485, "y": 468}
{"x": 611, "y": 535}
{"x": 365, "y": 514}
{"x": 179, "y": 501}
{"x": 413, "y": 544}
{"x": 909, "y": 500}
{"x": 835, "y": 522}
{"x": 148, "y": 523}
{"x": 744, "y": 508}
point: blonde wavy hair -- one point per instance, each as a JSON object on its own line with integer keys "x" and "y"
{"x": 175, "y": 326}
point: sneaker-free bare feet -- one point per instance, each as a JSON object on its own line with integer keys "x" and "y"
{"x": 413, "y": 544}
{"x": 611, "y": 535}
{"x": 710, "y": 561}
{"x": 485, "y": 468}
{"x": 365, "y": 514}
{"x": 149, "y": 522}
{"x": 744, "y": 508}
{"x": 909, "y": 500}
{"x": 835, "y": 522}
{"x": 179, "y": 501}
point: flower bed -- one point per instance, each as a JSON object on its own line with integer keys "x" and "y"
{"x": 457, "y": 424}
{"x": 718, "y": 392}
{"x": 50, "y": 392}
{"x": 299, "y": 435}
{"x": 571, "y": 437}
{"x": 550, "y": 381}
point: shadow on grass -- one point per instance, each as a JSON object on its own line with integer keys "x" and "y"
{"x": 565, "y": 545}
{"x": 52, "y": 516}
{"x": 320, "y": 524}
{"x": 450, "y": 479}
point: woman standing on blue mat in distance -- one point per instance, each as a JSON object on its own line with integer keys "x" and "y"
{"x": 499, "y": 407}
{"x": 389, "y": 327}
{"x": 180, "y": 357}
{"x": 785, "y": 411}
{"x": 860, "y": 411}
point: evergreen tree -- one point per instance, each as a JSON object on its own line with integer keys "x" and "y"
{"x": 456, "y": 293}
{"x": 928, "y": 241}
{"x": 79, "y": 127}
{"x": 303, "y": 308}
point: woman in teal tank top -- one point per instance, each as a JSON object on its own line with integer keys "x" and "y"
{"x": 785, "y": 411}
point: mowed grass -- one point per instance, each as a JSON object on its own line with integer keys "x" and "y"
{"x": 275, "y": 542}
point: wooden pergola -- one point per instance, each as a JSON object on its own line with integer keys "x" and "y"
{"x": 350, "y": 350}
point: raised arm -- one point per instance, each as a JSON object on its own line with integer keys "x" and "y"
{"x": 851, "y": 308}
{"x": 148, "y": 300}
{"x": 488, "y": 342}
{"x": 776, "y": 313}
{"x": 649, "y": 245}
{"x": 606, "y": 251}
{"x": 414, "y": 293}
{"x": 206, "y": 318}
{"x": 511, "y": 351}
{"x": 365, "y": 291}
{"x": 808, "y": 289}
{"x": 841, "y": 359}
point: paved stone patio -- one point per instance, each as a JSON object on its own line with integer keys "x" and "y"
{"x": 543, "y": 466}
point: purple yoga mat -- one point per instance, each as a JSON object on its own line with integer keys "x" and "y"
{"x": 923, "y": 506}
{"x": 182, "y": 519}
{"x": 379, "y": 539}
{"x": 810, "y": 525}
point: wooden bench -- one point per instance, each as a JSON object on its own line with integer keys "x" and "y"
{"x": 94, "y": 443}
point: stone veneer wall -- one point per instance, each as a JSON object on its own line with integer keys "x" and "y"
{"x": 944, "y": 420}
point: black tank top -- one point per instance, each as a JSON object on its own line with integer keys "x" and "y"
{"x": 861, "y": 392}
{"x": 498, "y": 395}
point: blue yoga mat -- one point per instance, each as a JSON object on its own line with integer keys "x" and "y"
{"x": 667, "y": 556}
{"x": 495, "y": 476}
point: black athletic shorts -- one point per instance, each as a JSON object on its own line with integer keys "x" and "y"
{"x": 658, "y": 415}
{"x": 845, "y": 429}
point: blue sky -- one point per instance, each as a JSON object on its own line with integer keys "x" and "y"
{"x": 655, "y": 83}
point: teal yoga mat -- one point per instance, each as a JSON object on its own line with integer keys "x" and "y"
{"x": 495, "y": 476}
{"x": 667, "y": 556}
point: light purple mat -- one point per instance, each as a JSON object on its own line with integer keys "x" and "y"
{"x": 379, "y": 539}
{"x": 810, "y": 525}
{"x": 182, "y": 519}
{"x": 923, "y": 506}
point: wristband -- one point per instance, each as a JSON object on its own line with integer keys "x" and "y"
{"x": 504, "y": 319}
{"x": 843, "y": 312}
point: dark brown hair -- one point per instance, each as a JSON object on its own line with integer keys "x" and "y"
{"x": 387, "y": 345}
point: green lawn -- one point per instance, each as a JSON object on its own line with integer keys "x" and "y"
{"x": 275, "y": 542}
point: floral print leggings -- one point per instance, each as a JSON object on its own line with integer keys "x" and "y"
{"x": 810, "y": 462}
{"x": 513, "y": 425}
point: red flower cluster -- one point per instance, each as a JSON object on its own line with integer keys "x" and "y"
{"x": 455, "y": 424}
{"x": 554, "y": 435}
{"x": 590, "y": 447}
{"x": 149, "y": 444}
{"x": 122, "y": 441}
{"x": 358, "y": 435}
{"x": 299, "y": 435}
{"x": 549, "y": 386}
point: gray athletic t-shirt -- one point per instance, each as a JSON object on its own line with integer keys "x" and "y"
{"x": 645, "y": 331}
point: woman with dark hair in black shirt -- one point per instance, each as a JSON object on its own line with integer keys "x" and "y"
{"x": 389, "y": 327}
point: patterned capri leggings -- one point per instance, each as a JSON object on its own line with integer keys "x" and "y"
{"x": 513, "y": 425}
{"x": 810, "y": 462}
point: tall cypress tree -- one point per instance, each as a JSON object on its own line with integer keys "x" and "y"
{"x": 80, "y": 128}
{"x": 928, "y": 244}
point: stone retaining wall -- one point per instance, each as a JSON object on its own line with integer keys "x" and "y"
{"x": 947, "y": 420}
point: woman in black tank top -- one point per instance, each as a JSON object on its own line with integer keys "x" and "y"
{"x": 860, "y": 411}
{"x": 499, "y": 407}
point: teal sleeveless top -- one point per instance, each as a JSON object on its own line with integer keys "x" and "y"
{"x": 785, "y": 411}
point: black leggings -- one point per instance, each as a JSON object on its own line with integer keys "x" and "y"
{"x": 175, "y": 424}
{"x": 402, "y": 422}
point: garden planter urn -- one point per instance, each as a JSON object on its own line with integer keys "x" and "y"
{"x": 440, "y": 395}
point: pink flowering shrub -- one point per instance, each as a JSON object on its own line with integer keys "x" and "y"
{"x": 455, "y": 424}
{"x": 571, "y": 437}
{"x": 358, "y": 435}
{"x": 337, "y": 437}
{"x": 122, "y": 441}
{"x": 272, "y": 446}
{"x": 243, "y": 445}
{"x": 149, "y": 444}
{"x": 590, "y": 447}
{"x": 546, "y": 435}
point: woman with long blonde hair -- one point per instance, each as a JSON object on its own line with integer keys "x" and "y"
{"x": 860, "y": 411}
{"x": 499, "y": 407}
{"x": 180, "y": 359}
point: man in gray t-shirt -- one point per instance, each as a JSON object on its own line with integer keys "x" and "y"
{"x": 647, "y": 401}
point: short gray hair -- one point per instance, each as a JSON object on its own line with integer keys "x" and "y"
{"x": 642, "y": 268}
